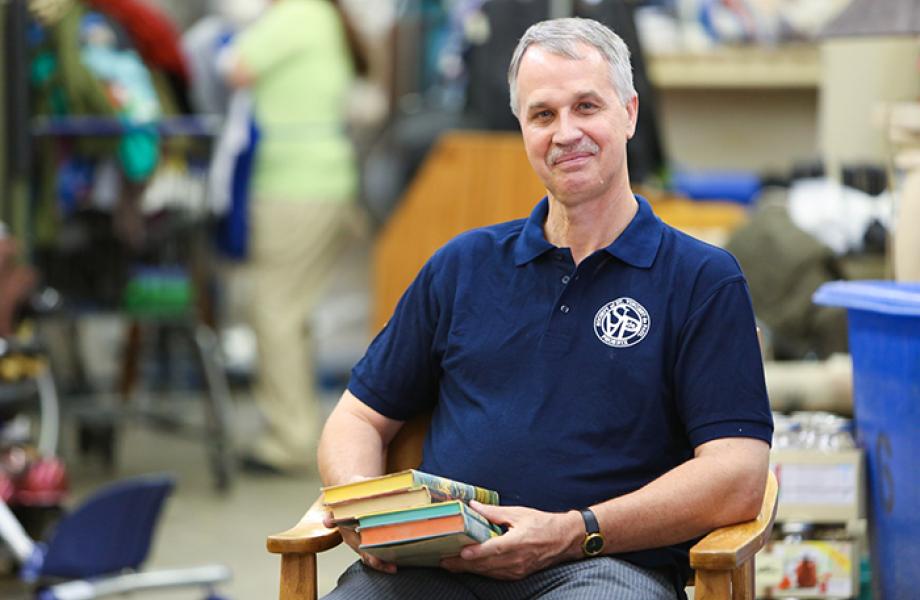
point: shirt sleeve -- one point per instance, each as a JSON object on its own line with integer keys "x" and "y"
{"x": 719, "y": 376}
{"x": 277, "y": 35}
{"x": 398, "y": 375}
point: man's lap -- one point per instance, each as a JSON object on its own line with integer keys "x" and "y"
{"x": 599, "y": 578}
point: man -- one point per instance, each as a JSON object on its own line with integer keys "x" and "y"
{"x": 596, "y": 367}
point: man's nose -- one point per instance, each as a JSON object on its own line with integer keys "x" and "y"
{"x": 568, "y": 131}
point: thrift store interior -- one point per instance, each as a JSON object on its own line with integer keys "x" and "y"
{"x": 631, "y": 286}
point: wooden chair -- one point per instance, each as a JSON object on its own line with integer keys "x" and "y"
{"x": 723, "y": 560}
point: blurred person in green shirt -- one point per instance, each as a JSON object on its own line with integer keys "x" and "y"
{"x": 299, "y": 59}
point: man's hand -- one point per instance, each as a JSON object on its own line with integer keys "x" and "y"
{"x": 534, "y": 541}
{"x": 351, "y": 537}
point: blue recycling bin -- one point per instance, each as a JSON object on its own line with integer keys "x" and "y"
{"x": 884, "y": 326}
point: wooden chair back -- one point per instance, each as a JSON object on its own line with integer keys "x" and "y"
{"x": 405, "y": 450}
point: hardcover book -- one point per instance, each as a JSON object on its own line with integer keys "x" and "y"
{"x": 424, "y": 535}
{"x": 347, "y": 511}
{"x": 405, "y": 480}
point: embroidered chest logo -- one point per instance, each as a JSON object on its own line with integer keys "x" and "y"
{"x": 621, "y": 323}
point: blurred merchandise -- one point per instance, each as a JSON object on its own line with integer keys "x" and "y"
{"x": 839, "y": 215}
{"x": 824, "y": 385}
{"x": 29, "y": 479}
{"x": 819, "y": 469}
{"x": 821, "y": 525}
{"x": 812, "y": 430}
{"x": 808, "y": 569}
{"x": 159, "y": 292}
{"x": 784, "y": 265}
{"x": 742, "y": 187}
{"x": 701, "y": 24}
{"x": 17, "y": 280}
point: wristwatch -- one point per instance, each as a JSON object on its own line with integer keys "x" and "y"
{"x": 594, "y": 541}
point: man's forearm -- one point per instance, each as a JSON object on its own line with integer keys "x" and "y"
{"x": 709, "y": 491}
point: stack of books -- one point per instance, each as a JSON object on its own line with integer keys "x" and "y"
{"x": 412, "y": 518}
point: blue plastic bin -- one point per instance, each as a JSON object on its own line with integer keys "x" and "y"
{"x": 884, "y": 325}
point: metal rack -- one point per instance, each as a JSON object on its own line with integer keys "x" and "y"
{"x": 98, "y": 425}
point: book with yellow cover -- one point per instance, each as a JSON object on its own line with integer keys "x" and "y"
{"x": 348, "y": 510}
{"x": 405, "y": 480}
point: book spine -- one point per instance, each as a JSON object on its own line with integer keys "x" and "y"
{"x": 455, "y": 489}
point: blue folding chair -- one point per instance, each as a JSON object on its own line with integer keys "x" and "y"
{"x": 97, "y": 550}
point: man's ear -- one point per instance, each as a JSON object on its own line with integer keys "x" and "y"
{"x": 632, "y": 113}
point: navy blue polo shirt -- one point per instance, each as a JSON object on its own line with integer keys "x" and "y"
{"x": 563, "y": 386}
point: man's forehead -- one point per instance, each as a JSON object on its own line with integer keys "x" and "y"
{"x": 541, "y": 75}
{"x": 541, "y": 64}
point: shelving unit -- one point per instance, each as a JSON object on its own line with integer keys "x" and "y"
{"x": 204, "y": 126}
{"x": 786, "y": 67}
{"x": 97, "y": 422}
{"x": 753, "y": 108}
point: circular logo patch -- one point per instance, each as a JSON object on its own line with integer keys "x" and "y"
{"x": 621, "y": 323}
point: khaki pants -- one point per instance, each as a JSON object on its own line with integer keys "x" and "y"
{"x": 293, "y": 249}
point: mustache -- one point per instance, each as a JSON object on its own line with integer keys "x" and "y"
{"x": 557, "y": 152}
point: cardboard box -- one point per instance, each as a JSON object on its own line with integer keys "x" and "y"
{"x": 819, "y": 487}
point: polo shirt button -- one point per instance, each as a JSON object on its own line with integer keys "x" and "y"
{"x": 565, "y": 279}
{"x": 564, "y": 308}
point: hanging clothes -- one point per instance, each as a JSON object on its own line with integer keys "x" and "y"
{"x": 230, "y": 175}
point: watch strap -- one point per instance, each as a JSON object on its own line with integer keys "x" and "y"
{"x": 591, "y": 524}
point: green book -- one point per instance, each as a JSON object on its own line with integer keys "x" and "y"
{"x": 418, "y": 513}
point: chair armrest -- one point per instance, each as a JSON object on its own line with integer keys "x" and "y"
{"x": 308, "y": 536}
{"x": 729, "y": 547}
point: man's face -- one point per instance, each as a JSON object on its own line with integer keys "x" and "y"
{"x": 575, "y": 127}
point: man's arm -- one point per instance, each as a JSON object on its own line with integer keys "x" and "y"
{"x": 353, "y": 446}
{"x": 354, "y": 441}
{"x": 722, "y": 484}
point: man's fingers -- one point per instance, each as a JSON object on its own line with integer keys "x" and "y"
{"x": 377, "y": 564}
{"x": 501, "y": 515}
{"x": 488, "y": 548}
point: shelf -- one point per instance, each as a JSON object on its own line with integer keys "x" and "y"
{"x": 17, "y": 392}
{"x": 784, "y": 67}
{"x": 191, "y": 125}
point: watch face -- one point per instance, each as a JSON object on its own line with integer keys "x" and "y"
{"x": 594, "y": 543}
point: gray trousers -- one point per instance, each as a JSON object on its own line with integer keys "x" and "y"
{"x": 603, "y": 578}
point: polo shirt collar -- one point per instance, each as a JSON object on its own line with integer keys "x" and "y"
{"x": 636, "y": 246}
{"x": 639, "y": 242}
{"x": 532, "y": 242}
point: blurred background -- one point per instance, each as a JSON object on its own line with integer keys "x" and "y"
{"x": 136, "y": 136}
